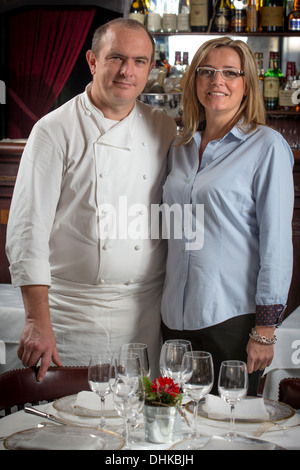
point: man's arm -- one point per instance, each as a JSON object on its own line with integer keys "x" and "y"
{"x": 37, "y": 339}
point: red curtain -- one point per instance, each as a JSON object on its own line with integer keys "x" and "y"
{"x": 44, "y": 46}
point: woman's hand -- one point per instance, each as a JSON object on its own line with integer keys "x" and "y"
{"x": 260, "y": 355}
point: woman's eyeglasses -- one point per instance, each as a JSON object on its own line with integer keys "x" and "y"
{"x": 227, "y": 74}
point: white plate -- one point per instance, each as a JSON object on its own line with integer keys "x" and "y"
{"x": 222, "y": 443}
{"x": 65, "y": 405}
{"x": 277, "y": 411}
{"x": 64, "y": 438}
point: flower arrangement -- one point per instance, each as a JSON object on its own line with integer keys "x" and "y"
{"x": 162, "y": 391}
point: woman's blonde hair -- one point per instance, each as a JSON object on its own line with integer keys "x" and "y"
{"x": 252, "y": 108}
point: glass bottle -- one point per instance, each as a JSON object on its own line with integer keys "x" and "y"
{"x": 221, "y": 17}
{"x": 169, "y": 21}
{"x": 200, "y": 15}
{"x": 294, "y": 17}
{"x": 272, "y": 15}
{"x": 285, "y": 95}
{"x": 272, "y": 82}
{"x": 260, "y": 69}
{"x": 154, "y": 17}
{"x": 252, "y": 16}
{"x": 238, "y": 15}
{"x": 183, "y": 17}
{"x": 138, "y": 11}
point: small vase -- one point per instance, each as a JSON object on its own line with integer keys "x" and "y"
{"x": 159, "y": 423}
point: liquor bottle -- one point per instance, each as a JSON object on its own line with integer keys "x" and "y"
{"x": 272, "y": 15}
{"x": 294, "y": 17}
{"x": 183, "y": 17}
{"x": 285, "y": 95}
{"x": 154, "y": 17}
{"x": 169, "y": 21}
{"x": 200, "y": 15}
{"x": 272, "y": 82}
{"x": 164, "y": 59}
{"x": 260, "y": 69}
{"x": 221, "y": 16}
{"x": 252, "y": 16}
{"x": 238, "y": 16}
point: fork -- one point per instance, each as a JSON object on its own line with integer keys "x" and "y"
{"x": 266, "y": 426}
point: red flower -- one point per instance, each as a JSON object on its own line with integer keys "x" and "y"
{"x": 165, "y": 385}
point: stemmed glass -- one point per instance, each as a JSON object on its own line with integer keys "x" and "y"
{"x": 128, "y": 390}
{"x": 233, "y": 386}
{"x": 171, "y": 356}
{"x": 142, "y": 350}
{"x": 99, "y": 374}
{"x": 197, "y": 375}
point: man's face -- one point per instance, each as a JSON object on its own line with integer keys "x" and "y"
{"x": 121, "y": 71}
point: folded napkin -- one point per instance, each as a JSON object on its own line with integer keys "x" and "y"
{"x": 87, "y": 401}
{"x": 253, "y": 408}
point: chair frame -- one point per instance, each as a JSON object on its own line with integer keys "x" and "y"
{"x": 20, "y": 387}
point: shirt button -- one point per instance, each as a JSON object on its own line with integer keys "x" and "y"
{"x": 144, "y": 144}
{"x": 101, "y": 175}
{"x": 144, "y": 177}
{"x": 137, "y": 247}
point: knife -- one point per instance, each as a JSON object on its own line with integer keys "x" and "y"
{"x": 29, "y": 409}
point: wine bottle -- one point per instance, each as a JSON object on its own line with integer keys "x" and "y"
{"x": 221, "y": 16}
{"x": 138, "y": 11}
{"x": 252, "y": 16}
{"x": 294, "y": 17}
{"x": 200, "y": 15}
{"x": 272, "y": 82}
{"x": 154, "y": 17}
{"x": 272, "y": 15}
{"x": 238, "y": 16}
{"x": 183, "y": 17}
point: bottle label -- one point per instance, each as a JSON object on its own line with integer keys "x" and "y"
{"x": 285, "y": 98}
{"x": 169, "y": 22}
{"x": 272, "y": 16}
{"x": 138, "y": 17}
{"x": 222, "y": 19}
{"x": 271, "y": 87}
{"x": 154, "y": 21}
{"x": 183, "y": 22}
{"x": 199, "y": 13}
{"x": 251, "y": 18}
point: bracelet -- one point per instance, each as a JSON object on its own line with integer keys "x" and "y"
{"x": 262, "y": 339}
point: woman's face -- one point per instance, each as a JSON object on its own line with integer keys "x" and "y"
{"x": 221, "y": 97}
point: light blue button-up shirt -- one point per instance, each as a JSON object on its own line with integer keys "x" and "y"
{"x": 242, "y": 254}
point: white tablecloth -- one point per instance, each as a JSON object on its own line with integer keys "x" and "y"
{"x": 286, "y": 362}
{"x": 287, "y": 439}
{"x": 12, "y": 319}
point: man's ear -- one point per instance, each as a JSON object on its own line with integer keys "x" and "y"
{"x": 91, "y": 60}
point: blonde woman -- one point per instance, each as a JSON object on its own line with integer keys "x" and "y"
{"x": 227, "y": 292}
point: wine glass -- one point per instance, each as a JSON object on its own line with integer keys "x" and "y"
{"x": 99, "y": 372}
{"x": 142, "y": 350}
{"x": 171, "y": 356}
{"x": 128, "y": 390}
{"x": 233, "y": 386}
{"x": 197, "y": 375}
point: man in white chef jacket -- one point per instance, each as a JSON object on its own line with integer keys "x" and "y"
{"x": 79, "y": 233}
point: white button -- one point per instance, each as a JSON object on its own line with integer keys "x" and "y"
{"x": 106, "y": 247}
{"x": 128, "y": 283}
{"x": 144, "y": 144}
{"x": 101, "y": 175}
{"x": 144, "y": 177}
{"x": 184, "y": 276}
{"x": 141, "y": 212}
{"x": 137, "y": 247}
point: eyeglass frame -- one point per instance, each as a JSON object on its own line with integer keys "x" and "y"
{"x": 240, "y": 73}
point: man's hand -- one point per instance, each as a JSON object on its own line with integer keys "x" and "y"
{"x": 37, "y": 339}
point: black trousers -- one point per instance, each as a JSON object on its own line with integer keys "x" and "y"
{"x": 225, "y": 341}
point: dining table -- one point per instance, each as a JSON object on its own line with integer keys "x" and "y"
{"x": 23, "y": 430}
